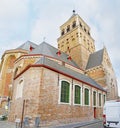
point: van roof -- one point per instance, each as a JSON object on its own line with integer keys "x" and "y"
{"x": 112, "y": 104}
{"x": 109, "y": 101}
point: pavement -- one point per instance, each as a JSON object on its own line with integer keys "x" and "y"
{"x": 6, "y": 124}
{"x": 78, "y": 124}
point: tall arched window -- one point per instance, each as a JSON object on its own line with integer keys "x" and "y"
{"x": 65, "y": 92}
{"x": 77, "y": 94}
{"x": 100, "y": 99}
{"x": 19, "y": 90}
{"x": 63, "y": 32}
{"x": 87, "y": 96}
{"x": 68, "y": 28}
{"x": 94, "y": 98}
{"x": 74, "y": 24}
{"x": 15, "y": 73}
{"x": 104, "y": 98}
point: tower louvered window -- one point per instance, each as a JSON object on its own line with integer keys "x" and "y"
{"x": 74, "y": 24}
{"x": 63, "y": 32}
{"x": 68, "y": 28}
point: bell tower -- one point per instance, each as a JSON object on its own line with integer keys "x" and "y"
{"x": 75, "y": 40}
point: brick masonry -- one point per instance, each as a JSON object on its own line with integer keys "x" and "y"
{"x": 41, "y": 91}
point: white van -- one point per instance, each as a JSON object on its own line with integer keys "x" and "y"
{"x": 111, "y": 114}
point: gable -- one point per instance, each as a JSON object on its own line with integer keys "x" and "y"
{"x": 95, "y": 59}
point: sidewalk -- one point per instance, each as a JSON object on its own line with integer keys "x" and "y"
{"x": 6, "y": 124}
{"x": 77, "y": 125}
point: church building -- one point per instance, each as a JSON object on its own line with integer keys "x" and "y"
{"x": 61, "y": 85}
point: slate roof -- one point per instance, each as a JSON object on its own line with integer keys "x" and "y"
{"x": 95, "y": 59}
{"x": 26, "y": 45}
{"x": 69, "y": 71}
{"x": 48, "y": 50}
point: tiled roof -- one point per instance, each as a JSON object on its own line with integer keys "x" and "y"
{"x": 70, "y": 72}
{"x": 48, "y": 50}
{"x": 27, "y": 45}
{"x": 95, "y": 59}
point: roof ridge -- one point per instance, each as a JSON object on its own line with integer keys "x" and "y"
{"x": 98, "y": 51}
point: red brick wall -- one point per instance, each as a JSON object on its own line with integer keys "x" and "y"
{"x": 41, "y": 88}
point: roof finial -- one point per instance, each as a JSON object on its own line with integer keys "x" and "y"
{"x": 73, "y": 11}
{"x": 44, "y": 39}
{"x": 103, "y": 45}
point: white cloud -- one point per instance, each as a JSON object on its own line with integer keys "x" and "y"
{"x": 44, "y": 28}
{"x": 13, "y": 15}
{"x": 13, "y": 9}
{"x": 36, "y": 19}
{"x": 10, "y": 45}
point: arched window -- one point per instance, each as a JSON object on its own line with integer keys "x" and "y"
{"x": 19, "y": 90}
{"x": 63, "y": 32}
{"x": 100, "y": 99}
{"x": 104, "y": 98}
{"x": 87, "y": 96}
{"x": 74, "y": 24}
{"x": 80, "y": 25}
{"x": 77, "y": 94}
{"x": 94, "y": 98}
{"x": 16, "y": 71}
{"x": 85, "y": 29}
{"x": 68, "y": 28}
{"x": 65, "y": 92}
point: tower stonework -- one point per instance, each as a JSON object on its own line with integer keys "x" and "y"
{"x": 103, "y": 73}
{"x": 110, "y": 77}
{"x": 76, "y": 41}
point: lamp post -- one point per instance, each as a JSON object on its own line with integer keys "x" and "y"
{"x": 22, "y": 112}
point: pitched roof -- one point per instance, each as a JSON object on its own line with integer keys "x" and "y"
{"x": 27, "y": 45}
{"x": 95, "y": 59}
{"x": 48, "y": 50}
{"x": 69, "y": 72}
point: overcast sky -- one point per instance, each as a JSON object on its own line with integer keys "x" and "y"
{"x": 23, "y": 20}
